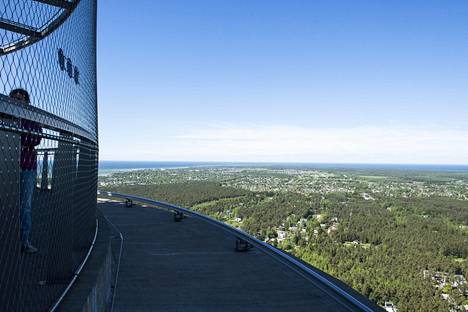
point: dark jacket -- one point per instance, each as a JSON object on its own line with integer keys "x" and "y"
{"x": 28, "y": 142}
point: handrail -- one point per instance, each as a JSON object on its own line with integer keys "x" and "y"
{"x": 14, "y": 108}
{"x": 281, "y": 255}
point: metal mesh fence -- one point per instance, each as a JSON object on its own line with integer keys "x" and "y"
{"x": 48, "y": 147}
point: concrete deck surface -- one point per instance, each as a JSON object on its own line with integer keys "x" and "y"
{"x": 193, "y": 266}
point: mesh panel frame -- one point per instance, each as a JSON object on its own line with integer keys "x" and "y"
{"x": 59, "y": 74}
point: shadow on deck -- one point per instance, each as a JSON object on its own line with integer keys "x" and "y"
{"x": 194, "y": 266}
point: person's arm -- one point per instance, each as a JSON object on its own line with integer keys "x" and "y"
{"x": 36, "y": 140}
{"x": 31, "y": 140}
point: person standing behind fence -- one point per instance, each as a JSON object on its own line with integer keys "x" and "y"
{"x": 28, "y": 163}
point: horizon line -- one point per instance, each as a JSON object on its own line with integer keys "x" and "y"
{"x": 286, "y": 162}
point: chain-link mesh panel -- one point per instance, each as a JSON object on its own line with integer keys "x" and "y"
{"x": 48, "y": 147}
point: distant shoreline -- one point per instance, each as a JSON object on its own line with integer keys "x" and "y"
{"x": 107, "y": 167}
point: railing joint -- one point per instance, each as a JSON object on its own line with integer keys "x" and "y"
{"x": 178, "y": 216}
{"x": 242, "y": 245}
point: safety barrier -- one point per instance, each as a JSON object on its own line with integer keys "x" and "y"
{"x": 48, "y": 148}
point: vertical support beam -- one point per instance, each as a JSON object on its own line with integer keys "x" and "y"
{"x": 45, "y": 171}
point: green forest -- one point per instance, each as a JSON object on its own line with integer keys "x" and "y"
{"x": 389, "y": 249}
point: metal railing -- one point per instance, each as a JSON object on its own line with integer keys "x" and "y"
{"x": 63, "y": 208}
{"x": 314, "y": 275}
{"x": 58, "y": 12}
{"x": 48, "y": 148}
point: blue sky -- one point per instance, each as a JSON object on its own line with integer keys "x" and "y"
{"x": 301, "y": 81}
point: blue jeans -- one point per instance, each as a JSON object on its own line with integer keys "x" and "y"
{"x": 28, "y": 179}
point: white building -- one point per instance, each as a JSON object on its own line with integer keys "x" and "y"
{"x": 390, "y": 307}
{"x": 281, "y": 235}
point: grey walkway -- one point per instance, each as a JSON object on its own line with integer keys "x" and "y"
{"x": 193, "y": 266}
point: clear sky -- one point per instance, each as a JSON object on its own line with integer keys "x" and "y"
{"x": 303, "y": 81}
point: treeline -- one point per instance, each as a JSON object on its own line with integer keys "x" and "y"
{"x": 184, "y": 194}
{"x": 407, "y": 175}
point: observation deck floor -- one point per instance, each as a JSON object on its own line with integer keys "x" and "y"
{"x": 193, "y": 266}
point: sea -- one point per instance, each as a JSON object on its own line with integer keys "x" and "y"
{"x": 107, "y": 167}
